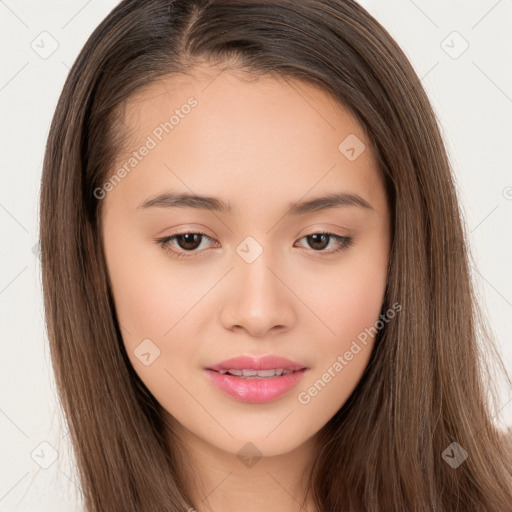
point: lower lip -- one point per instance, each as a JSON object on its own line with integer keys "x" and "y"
{"x": 255, "y": 391}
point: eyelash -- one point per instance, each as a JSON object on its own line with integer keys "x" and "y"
{"x": 345, "y": 242}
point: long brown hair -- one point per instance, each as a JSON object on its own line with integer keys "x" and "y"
{"x": 428, "y": 381}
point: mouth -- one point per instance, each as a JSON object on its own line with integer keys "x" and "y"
{"x": 249, "y": 366}
{"x": 255, "y": 386}
{"x": 256, "y": 380}
{"x": 250, "y": 374}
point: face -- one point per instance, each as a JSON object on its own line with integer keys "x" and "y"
{"x": 263, "y": 267}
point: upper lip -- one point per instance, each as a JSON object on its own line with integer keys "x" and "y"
{"x": 252, "y": 363}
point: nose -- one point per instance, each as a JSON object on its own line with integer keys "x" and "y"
{"x": 259, "y": 299}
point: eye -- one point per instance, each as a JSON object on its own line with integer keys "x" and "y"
{"x": 188, "y": 242}
{"x": 319, "y": 241}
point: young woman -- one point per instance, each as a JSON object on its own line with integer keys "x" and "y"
{"x": 255, "y": 271}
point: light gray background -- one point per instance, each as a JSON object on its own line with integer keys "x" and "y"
{"x": 470, "y": 91}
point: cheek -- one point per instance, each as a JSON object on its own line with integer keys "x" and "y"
{"x": 346, "y": 299}
{"x": 344, "y": 354}
{"x": 349, "y": 305}
{"x": 151, "y": 294}
{"x": 153, "y": 305}
{"x": 358, "y": 302}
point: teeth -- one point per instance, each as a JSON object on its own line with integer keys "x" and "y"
{"x": 257, "y": 373}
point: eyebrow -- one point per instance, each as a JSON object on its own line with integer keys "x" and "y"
{"x": 185, "y": 200}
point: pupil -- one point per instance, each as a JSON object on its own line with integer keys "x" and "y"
{"x": 319, "y": 238}
{"x": 189, "y": 240}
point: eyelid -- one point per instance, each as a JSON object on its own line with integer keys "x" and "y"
{"x": 322, "y": 227}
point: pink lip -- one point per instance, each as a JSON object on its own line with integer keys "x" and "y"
{"x": 251, "y": 363}
{"x": 255, "y": 390}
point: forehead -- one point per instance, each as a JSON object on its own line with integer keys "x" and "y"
{"x": 251, "y": 135}
{"x": 242, "y": 105}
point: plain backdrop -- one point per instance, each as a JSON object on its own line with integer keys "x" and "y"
{"x": 462, "y": 52}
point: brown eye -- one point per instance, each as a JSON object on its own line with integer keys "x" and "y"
{"x": 318, "y": 241}
{"x": 184, "y": 245}
{"x": 189, "y": 241}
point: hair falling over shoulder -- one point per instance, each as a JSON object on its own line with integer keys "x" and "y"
{"x": 425, "y": 386}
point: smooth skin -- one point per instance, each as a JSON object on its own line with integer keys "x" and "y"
{"x": 258, "y": 145}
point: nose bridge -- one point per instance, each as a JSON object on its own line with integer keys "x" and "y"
{"x": 260, "y": 301}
